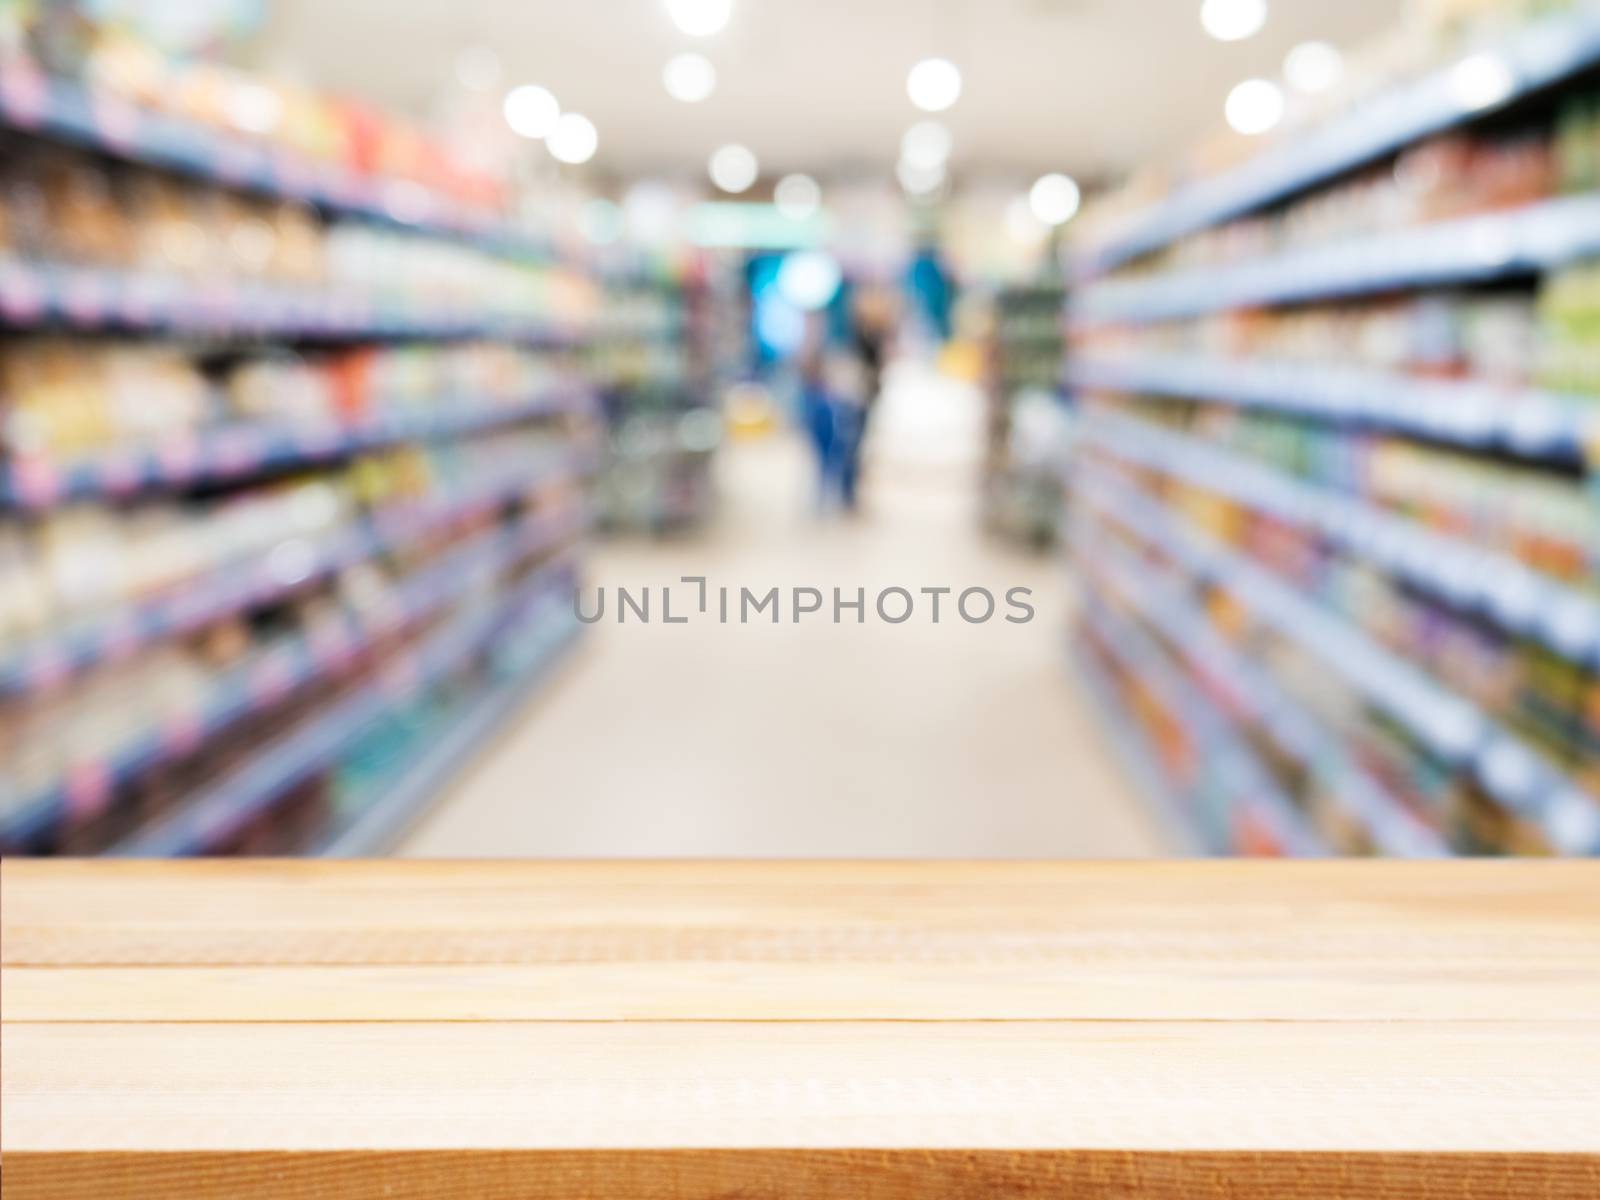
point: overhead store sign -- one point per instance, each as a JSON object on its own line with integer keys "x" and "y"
{"x": 725, "y": 224}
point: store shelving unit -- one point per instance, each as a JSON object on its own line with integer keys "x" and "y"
{"x": 661, "y": 401}
{"x": 1479, "y": 79}
{"x": 1377, "y": 578}
{"x": 1021, "y": 493}
{"x": 337, "y": 671}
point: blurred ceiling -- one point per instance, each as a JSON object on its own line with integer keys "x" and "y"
{"x": 1091, "y": 87}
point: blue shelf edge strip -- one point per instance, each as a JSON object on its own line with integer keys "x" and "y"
{"x": 1518, "y": 598}
{"x": 1133, "y": 749}
{"x": 378, "y": 826}
{"x": 1451, "y": 726}
{"x": 1529, "y": 422}
{"x": 1292, "y": 728}
{"x": 263, "y": 682}
{"x": 36, "y": 294}
{"x": 1475, "y": 249}
{"x": 232, "y": 588}
{"x": 240, "y": 797}
{"x": 1537, "y": 56}
{"x": 1228, "y": 767}
{"x": 242, "y": 451}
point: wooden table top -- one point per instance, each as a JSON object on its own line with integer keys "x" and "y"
{"x": 631, "y": 1030}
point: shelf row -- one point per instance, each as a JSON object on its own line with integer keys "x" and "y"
{"x": 1233, "y": 798}
{"x": 1546, "y": 52}
{"x": 1529, "y": 422}
{"x": 1476, "y": 249}
{"x": 1519, "y": 599}
{"x": 34, "y": 102}
{"x": 195, "y": 828}
{"x": 94, "y": 299}
{"x": 49, "y": 661}
{"x": 1453, "y": 729}
{"x": 244, "y": 451}
{"x": 1251, "y": 691}
{"x": 268, "y": 679}
{"x": 416, "y": 784}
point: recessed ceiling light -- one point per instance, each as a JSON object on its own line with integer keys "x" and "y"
{"x": 531, "y": 111}
{"x": 1313, "y": 67}
{"x": 1254, "y": 106}
{"x": 574, "y": 139}
{"x": 934, "y": 84}
{"x": 689, "y": 77}
{"x": 1053, "y": 199}
{"x": 734, "y": 168}
{"x": 700, "y": 18}
{"x": 797, "y": 197}
{"x": 1233, "y": 20}
{"x": 926, "y": 144}
{"x": 918, "y": 180}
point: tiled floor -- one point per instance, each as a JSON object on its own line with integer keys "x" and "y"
{"x": 813, "y": 739}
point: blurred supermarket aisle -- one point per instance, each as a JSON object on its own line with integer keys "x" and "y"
{"x": 920, "y": 739}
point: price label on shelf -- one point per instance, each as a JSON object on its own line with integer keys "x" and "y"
{"x": 271, "y": 680}
{"x": 116, "y": 122}
{"x": 179, "y": 457}
{"x": 235, "y": 160}
{"x": 47, "y": 667}
{"x": 24, "y": 93}
{"x": 181, "y": 735}
{"x": 36, "y": 482}
{"x": 121, "y": 472}
{"x": 86, "y": 790}
{"x": 85, "y": 298}
{"x": 22, "y": 293}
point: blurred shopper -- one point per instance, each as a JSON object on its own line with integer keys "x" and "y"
{"x": 929, "y": 284}
{"x": 872, "y": 321}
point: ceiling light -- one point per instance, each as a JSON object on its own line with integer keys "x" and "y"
{"x": 1053, "y": 199}
{"x": 1233, "y": 20}
{"x": 700, "y": 18}
{"x": 1481, "y": 81}
{"x": 934, "y": 84}
{"x": 734, "y": 168}
{"x": 574, "y": 139}
{"x": 531, "y": 111}
{"x": 689, "y": 77}
{"x": 1254, "y": 106}
{"x": 918, "y": 180}
{"x": 926, "y": 144}
{"x": 1313, "y": 67}
{"x": 797, "y": 197}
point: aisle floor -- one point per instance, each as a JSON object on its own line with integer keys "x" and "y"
{"x": 812, "y": 739}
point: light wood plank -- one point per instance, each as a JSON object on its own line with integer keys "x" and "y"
{"x": 1137, "y": 985}
{"x": 1228, "y": 1031}
{"x": 1192, "y": 913}
{"x": 1077, "y": 1085}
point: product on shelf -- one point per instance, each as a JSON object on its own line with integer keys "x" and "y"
{"x": 61, "y": 399}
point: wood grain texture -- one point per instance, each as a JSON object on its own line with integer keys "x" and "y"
{"x": 1234, "y": 1030}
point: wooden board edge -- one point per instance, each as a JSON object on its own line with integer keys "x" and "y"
{"x": 867, "y": 1174}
